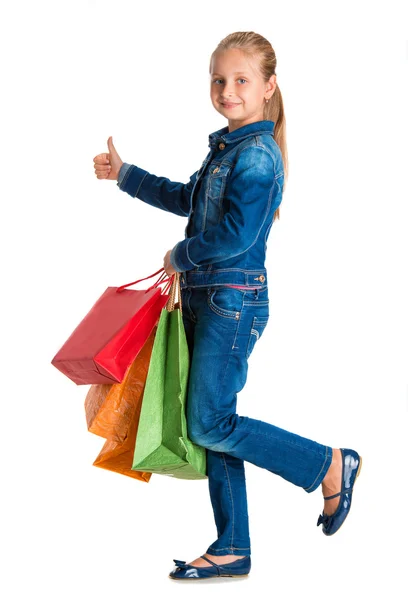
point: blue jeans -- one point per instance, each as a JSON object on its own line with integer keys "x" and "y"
{"x": 222, "y": 326}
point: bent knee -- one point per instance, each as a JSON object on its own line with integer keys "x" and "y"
{"x": 199, "y": 437}
{"x": 209, "y": 439}
{"x": 215, "y": 437}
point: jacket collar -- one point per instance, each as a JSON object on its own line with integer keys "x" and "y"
{"x": 223, "y": 135}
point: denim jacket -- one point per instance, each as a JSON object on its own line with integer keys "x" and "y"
{"x": 229, "y": 202}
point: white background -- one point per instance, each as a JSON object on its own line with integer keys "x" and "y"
{"x": 332, "y": 364}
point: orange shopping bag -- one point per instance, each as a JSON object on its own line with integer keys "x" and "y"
{"x": 110, "y": 408}
{"x": 118, "y": 457}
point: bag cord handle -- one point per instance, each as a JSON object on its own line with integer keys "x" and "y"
{"x": 158, "y": 282}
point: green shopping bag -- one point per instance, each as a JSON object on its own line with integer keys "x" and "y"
{"x": 162, "y": 444}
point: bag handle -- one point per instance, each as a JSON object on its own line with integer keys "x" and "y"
{"x": 175, "y": 287}
{"x": 158, "y": 281}
{"x": 120, "y": 288}
{"x": 166, "y": 287}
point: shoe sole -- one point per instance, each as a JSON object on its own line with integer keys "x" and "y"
{"x": 204, "y": 578}
{"x": 357, "y": 474}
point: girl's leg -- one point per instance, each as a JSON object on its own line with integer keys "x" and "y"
{"x": 228, "y": 323}
{"x": 226, "y": 481}
{"x": 227, "y": 485}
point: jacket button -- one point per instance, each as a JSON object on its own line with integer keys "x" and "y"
{"x": 221, "y": 146}
{"x": 261, "y": 278}
{"x": 216, "y": 169}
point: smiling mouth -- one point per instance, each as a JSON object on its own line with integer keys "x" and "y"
{"x": 230, "y": 103}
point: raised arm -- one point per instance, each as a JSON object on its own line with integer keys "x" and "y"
{"x": 157, "y": 191}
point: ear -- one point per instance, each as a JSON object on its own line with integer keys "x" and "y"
{"x": 271, "y": 85}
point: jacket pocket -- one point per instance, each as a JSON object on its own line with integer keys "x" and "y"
{"x": 217, "y": 179}
{"x": 257, "y": 329}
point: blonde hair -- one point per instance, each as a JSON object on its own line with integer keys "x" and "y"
{"x": 255, "y": 45}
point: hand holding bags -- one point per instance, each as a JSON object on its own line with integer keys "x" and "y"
{"x": 162, "y": 444}
{"x": 110, "y": 336}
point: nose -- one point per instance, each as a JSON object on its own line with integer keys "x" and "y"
{"x": 227, "y": 96}
{"x": 228, "y": 91}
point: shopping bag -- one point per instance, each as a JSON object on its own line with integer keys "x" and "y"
{"x": 162, "y": 444}
{"x": 110, "y": 408}
{"x": 118, "y": 456}
{"x": 111, "y": 335}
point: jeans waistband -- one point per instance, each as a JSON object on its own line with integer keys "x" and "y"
{"x": 244, "y": 277}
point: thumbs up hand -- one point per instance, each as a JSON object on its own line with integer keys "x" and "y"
{"x": 107, "y": 165}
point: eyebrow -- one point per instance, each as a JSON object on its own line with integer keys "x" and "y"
{"x": 236, "y": 73}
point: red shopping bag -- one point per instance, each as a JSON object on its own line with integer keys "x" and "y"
{"x": 108, "y": 339}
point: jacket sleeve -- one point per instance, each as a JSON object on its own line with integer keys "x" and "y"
{"x": 157, "y": 191}
{"x": 249, "y": 196}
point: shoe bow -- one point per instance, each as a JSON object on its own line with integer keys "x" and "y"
{"x": 325, "y": 519}
{"x": 181, "y": 564}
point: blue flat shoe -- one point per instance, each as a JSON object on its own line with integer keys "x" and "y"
{"x": 352, "y": 462}
{"x": 237, "y": 568}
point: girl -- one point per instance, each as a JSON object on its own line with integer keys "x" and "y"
{"x": 231, "y": 203}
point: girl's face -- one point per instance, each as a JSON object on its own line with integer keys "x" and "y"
{"x": 238, "y": 91}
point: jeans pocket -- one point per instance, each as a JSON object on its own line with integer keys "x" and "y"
{"x": 259, "y": 297}
{"x": 225, "y": 301}
{"x": 257, "y": 329}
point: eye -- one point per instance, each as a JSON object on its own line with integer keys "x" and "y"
{"x": 215, "y": 80}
